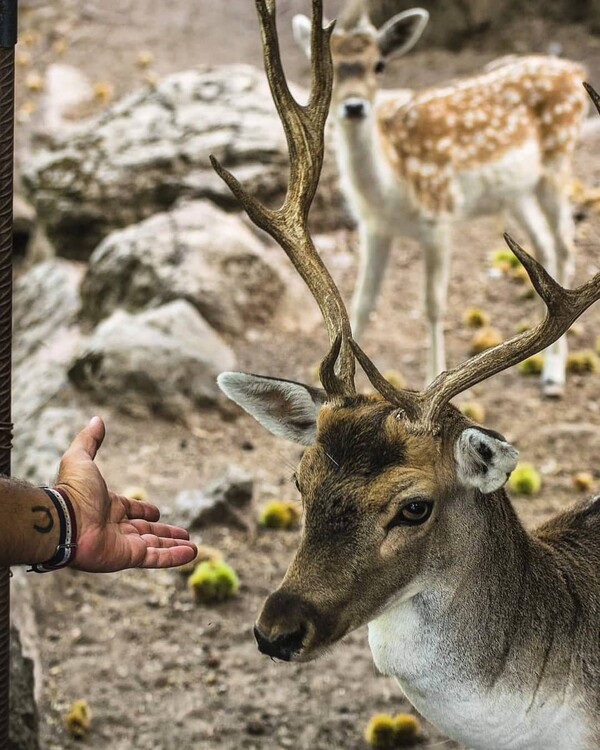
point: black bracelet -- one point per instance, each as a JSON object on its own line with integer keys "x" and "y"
{"x": 67, "y": 539}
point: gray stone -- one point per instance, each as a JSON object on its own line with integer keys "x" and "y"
{"x": 162, "y": 361}
{"x": 40, "y": 442}
{"x": 46, "y": 336}
{"x": 219, "y": 503}
{"x": 196, "y": 252}
{"x": 23, "y": 720}
{"x": 151, "y": 148}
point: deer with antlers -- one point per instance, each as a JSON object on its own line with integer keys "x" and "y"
{"x": 491, "y": 631}
{"x": 413, "y": 163}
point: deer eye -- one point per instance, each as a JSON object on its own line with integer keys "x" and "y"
{"x": 296, "y": 482}
{"x": 412, "y": 513}
{"x": 379, "y": 66}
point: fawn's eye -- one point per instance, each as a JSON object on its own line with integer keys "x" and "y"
{"x": 379, "y": 66}
{"x": 412, "y": 513}
{"x": 296, "y": 482}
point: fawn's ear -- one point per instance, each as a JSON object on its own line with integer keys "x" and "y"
{"x": 398, "y": 35}
{"x": 285, "y": 408}
{"x": 301, "y": 30}
{"x": 484, "y": 459}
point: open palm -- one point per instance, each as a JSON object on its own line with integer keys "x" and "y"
{"x": 115, "y": 532}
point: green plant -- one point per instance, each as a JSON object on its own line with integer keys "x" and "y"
{"x": 532, "y": 365}
{"x": 379, "y": 732}
{"x": 475, "y": 317}
{"x": 525, "y": 480}
{"x": 279, "y": 514}
{"x": 213, "y": 581}
{"x": 583, "y": 362}
{"x": 473, "y": 410}
{"x": 505, "y": 259}
{"x": 484, "y": 339}
{"x": 407, "y": 730}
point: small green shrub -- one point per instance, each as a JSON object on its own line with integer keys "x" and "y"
{"x": 213, "y": 581}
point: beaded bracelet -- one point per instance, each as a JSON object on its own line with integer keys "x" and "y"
{"x": 67, "y": 540}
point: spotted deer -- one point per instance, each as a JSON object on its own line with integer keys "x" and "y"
{"x": 413, "y": 163}
{"x": 491, "y": 630}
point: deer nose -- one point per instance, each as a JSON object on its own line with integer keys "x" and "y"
{"x": 283, "y": 645}
{"x": 355, "y": 109}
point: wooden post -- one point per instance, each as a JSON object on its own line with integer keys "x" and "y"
{"x": 8, "y": 39}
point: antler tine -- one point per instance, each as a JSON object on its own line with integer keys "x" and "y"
{"x": 564, "y": 306}
{"x": 304, "y": 128}
{"x": 408, "y": 401}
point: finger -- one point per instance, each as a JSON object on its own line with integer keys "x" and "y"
{"x": 169, "y": 557}
{"x": 153, "y": 540}
{"x": 137, "y": 508}
{"x": 90, "y": 438}
{"x": 159, "y": 529}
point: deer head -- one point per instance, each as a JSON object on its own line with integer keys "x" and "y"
{"x": 360, "y": 53}
{"x": 392, "y": 484}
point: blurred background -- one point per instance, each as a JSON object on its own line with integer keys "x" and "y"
{"x": 138, "y": 281}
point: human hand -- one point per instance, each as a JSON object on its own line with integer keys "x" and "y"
{"x": 114, "y": 532}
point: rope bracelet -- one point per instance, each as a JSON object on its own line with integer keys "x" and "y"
{"x": 67, "y": 540}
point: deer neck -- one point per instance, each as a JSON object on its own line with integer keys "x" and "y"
{"x": 487, "y": 633}
{"x": 365, "y": 175}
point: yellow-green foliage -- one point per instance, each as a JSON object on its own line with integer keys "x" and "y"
{"x": 379, "y": 732}
{"x": 505, "y": 260}
{"x": 407, "y": 730}
{"x": 279, "y": 514}
{"x": 532, "y": 365}
{"x": 484, "y": 339}
{"x": 204, "y": 553}
{"x": 523, "y": 325}
{"x": 213, "y": 581}
{"x": 384, "y": 732}
{"x": 473, "y": 410}
{"x": 136, "y": 493}
{"x": 525, "y": 480}
{"x": 583, "y": 362}
{"x": 77, "y": 719}
{"x": 395, "y": 378}
{"x": 475, "y": 317}
{"x": 583, "y": 481}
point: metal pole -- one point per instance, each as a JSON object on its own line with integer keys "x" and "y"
{"x": 8, "y": 40}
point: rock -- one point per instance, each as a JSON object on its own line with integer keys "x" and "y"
{"x": 219, "y": 503}
{"x": 151, "y": 148}
{"x": 163, "y": 361}
{"x": 46, "y": 336}
{"x": 40, "y": 442}
{"x": 23, "y": 719}
{"x": 46, "y": 304}
{"x": 196, "y": 252}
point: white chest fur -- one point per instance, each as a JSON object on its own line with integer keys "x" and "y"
{"x": 499, "y": 719}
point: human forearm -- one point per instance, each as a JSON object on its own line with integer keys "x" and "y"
{"x": 29, "y": 526}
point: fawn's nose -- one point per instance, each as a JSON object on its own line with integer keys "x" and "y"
{"x": 283, "y": 645}
{"x": 354, "y": 109}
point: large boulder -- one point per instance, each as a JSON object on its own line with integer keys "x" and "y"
{"x": 163, "y": 361}
{"x": 46, "y": 336}
{"x": 151, "y": 148}
{"x": 196, "y": 252}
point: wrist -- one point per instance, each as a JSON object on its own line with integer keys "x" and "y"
{"x": 45, "y": 525}
{"x": 64, "y": 552}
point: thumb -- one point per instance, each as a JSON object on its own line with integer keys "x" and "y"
{"x": 90, "y": 438}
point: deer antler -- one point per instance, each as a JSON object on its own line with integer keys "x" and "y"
{"x": 563, "y": 307}
{"x": 304, "y": 130}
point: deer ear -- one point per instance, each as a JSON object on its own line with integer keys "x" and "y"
{"x": 285, "y": 408}
{"x": 484, "y": 459}
{"x": 301, "y": 29}
{"x": 398, "y": 35}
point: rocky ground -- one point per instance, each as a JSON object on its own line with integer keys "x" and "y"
{"x": 157, "y": 670}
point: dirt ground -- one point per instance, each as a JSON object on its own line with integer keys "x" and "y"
{"x": 159, "y": 672}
